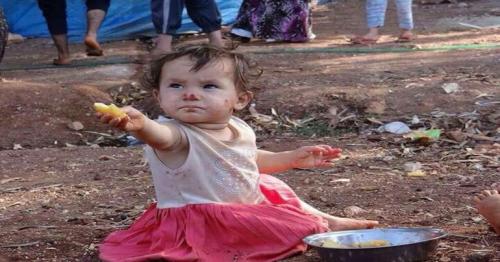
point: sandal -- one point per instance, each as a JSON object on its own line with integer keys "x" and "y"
{"x": 94, "y": 52}
{"x": 361, "y": 40}
{"x": 236, "y": 38}
{"x": 93, "y": 48}
{"x": 405, "y": 38}
{"x": 58, "y": 62}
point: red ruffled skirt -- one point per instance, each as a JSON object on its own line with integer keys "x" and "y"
{"x": 268, "y": 231}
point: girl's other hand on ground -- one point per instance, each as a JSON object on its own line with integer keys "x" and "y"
{"x": 314, "y": 156}
{"x": 133, "y": 121}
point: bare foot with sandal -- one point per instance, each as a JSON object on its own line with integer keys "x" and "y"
{"x": 63, "y": 56}
{"x": 93, "y": 47}
{"x": 55, "y": 15}
{"x": 375, "y": 19}
{"x": 370, "y": 38}
{"x": 405, "y": 36}
{"x": 94, "y": 20}
{"x": 488, "y": 205}
{"x": 373, "y": 36}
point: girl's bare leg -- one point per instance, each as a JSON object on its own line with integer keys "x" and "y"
{"x": 339, "y": 223}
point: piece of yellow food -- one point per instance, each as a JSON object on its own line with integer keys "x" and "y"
{"x": 372, "y": 243}
{"x": 416, "y": 173}
{"x": 110, "y": 109}
{"x": 329, "y": 243}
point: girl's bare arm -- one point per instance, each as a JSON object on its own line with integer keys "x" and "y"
{"x": 158, "y": 136}
{"x": 303, "y": 157}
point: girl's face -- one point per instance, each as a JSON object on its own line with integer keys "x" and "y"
{"x": 208, "y": 96}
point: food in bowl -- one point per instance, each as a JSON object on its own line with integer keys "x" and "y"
{"x": 330, "y": 243}
{"x": 401, "y": 244}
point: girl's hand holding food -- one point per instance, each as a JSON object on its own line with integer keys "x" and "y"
{"x": 126, "y": 118}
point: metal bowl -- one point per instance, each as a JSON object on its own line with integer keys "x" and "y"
{"x": 399, "y": 244}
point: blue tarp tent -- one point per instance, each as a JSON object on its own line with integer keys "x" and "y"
{"x": 125, "y": 18}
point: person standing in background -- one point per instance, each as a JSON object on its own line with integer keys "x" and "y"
{"x": 167, "y": 18}
{"x": 54, "y": 12}
{"x": 375, "y": 18}
{"x": 273, "y": 20}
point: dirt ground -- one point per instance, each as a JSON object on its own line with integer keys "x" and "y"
{"x": 64, "y": 185}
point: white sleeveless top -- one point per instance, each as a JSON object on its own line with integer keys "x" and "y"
{"x": 213, "y": 172}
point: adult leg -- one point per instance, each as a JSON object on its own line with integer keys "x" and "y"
{"x": 375, "y": 17}
{"x": 54, "y": 12}
{"x": 206, "y": 15}
{"x": 405, "y": 18}
{"x": 96, "y": 11}
{"x": 167, "y": 18}
{"x": 339, "y": 223}
{"x": 283, "y": 21}
{"x": 310, "y": 33}
{"x": 242, "y": 29}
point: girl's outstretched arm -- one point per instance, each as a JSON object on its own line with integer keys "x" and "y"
{"x": 303, "y": 157}
{"x": 158, "y": 136}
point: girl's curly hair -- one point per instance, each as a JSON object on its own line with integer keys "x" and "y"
{"x": 244, "y": 69}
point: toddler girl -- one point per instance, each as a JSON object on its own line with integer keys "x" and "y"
{"x": 214, "y": 202}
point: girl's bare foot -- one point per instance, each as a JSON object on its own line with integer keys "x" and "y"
{"x": 488, "y": 205}
{"x": 341, "y": 223}
{"x": 93, "y": 47}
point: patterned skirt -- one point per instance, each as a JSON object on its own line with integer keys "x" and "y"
{"x": 279, "y": 20}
